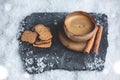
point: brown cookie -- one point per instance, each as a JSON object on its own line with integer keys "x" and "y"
{"x": 44, "y": 45}
{"x": 29, "y": 36}
{"x": 43, "y": 31}
{"x": 37, "y": 42}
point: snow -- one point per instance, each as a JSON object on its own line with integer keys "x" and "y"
{"x": 7, "y": 7}
{"x": 116, "y": 67}
{"x": 105, "y": 71}
{"x": 26, "y": 75}
{"x": 41, "y": 65}
{"x": 3, "y": 73}
{"x": 13, "y": 11}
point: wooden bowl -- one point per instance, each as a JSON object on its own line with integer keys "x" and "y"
{"x": 79, "y": 26}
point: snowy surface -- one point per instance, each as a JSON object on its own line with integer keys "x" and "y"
{"x": 13, "y": 11}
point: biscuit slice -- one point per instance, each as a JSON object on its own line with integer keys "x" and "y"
{"x": 37, "y": 42}
{"x": 29, "y": 36}
{"x": 43, "y": 31}
{"x": 44, "y": 45}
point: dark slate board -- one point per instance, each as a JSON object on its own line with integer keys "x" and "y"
{"x": 38, "y": 60}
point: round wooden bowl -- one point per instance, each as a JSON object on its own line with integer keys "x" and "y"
{"x": 79, "y": 26}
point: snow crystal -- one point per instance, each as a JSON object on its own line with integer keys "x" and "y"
{"x": 55, "y": 22}
{"x": 29, "y": 53}
{"x": 41, "y": 65}
{"x": 51, "y": 64}
{"x": 28, "y": 61}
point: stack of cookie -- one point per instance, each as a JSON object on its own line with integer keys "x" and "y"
{"x": 40, "y": 36}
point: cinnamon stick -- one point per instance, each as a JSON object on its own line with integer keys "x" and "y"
{"x": 98, "y": 39}
{"x": 91, "y": 42}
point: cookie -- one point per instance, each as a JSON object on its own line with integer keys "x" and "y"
{"x": 29, "y": 36}
{"x": 43, "y": 31}
{"x": 37, "y": 42}
{"x": 43, "y": 45}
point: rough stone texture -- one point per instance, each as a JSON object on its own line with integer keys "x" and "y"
{"x": 38, "y": 60}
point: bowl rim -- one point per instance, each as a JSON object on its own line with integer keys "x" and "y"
{"x": 83, "y": 13}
